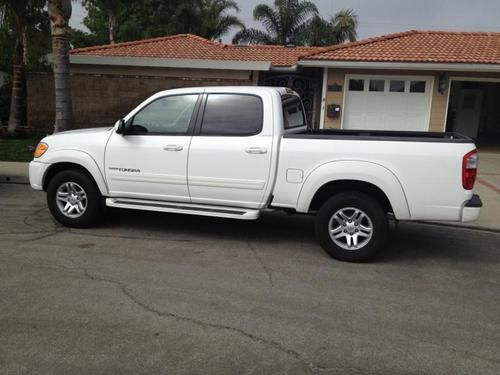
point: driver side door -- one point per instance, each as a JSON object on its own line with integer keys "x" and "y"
{"x": 149, "y": 161}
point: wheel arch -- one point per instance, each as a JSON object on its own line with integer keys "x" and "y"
{"x": 75, "y": 160}
{"x": 342, "y": 176}
{"x": 340, "y": 186}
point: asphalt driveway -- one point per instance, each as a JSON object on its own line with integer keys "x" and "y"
{"x": 155, "y": 293}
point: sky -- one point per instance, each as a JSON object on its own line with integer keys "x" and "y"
{"x": 378, "y": 17}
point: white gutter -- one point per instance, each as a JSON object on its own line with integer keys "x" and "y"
{"x": 170, "y": 63}
{"x": 493, "y": 68}
{"x": 284, "y": 69}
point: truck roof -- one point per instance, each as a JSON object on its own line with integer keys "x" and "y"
{"x": 228, "y": 89}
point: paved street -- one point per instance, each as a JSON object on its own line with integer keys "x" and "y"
{"x": 155, "y": 293}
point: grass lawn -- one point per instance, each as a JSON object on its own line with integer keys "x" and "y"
{"x": 16, "y": 149}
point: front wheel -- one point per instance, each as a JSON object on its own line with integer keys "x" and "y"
{"x": 352, "y": 227}
{"x": 74, "y": 200}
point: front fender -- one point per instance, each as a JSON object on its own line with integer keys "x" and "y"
{"x": 362, "y": 171}
{"x": 80, "y": 158}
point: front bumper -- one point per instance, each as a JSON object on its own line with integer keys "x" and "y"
{"x": 472, "y": 209}
{"x": 37, "y": 171}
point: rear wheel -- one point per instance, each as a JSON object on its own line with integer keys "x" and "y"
{"x": 73, "y": 199}
{"x": 352, "y": 227}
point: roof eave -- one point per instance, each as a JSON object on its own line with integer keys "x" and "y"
{"x": 459, "y": 67}
{"x": 155, "y": 62}
{"x": 284, "y": 68}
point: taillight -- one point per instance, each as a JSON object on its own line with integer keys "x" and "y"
{"x": 469, "y": 169}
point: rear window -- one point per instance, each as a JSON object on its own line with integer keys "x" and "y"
{"x": 232, "y": 115}
{"x": 293, "y": 112}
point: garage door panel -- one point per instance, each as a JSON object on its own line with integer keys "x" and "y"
{"x": 388, "y": 110}
{"x": 358, "y": 121}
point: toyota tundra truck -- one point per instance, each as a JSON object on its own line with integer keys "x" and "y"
{"x": 234, "y": 152}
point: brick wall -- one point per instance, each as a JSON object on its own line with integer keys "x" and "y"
{"x": 102, "y": 96}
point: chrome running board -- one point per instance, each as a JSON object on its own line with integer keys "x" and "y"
{"x": 183, "y": 208}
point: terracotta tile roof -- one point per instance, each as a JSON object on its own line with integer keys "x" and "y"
{"x": 419, "y": 46}
{"x": 187, "y": 46}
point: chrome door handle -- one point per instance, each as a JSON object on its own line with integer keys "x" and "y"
{"x": 256, "y": 150}
{"x": 173, "y": 148}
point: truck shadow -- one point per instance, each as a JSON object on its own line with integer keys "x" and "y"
{"x": 421, "y": 241}
{"x": 410, "y": 243}
{"x": 271, "y": 227}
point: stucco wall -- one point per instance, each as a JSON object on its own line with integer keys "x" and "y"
{"x": 102, "y": 95}
{"x": 438, "y": 102}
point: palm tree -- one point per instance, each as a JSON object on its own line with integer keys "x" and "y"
{"x": 16, "y": 15}
{"x": 59, "y": 15}
{"x": 345, "y": 24}
{"x": 340, "y": 28}
{"x": 216, "y": 21}
{"x": 286, "y": 23}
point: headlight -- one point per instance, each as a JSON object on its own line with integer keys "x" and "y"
{"x": 41, "y": 148}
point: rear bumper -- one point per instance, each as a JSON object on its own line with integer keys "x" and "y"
{"x": 37, "y": 171}
{"x": 471, "y": 209}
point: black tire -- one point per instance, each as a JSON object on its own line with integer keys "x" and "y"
{"x": 377, "y": 218}
{"x": 93, "y": 203}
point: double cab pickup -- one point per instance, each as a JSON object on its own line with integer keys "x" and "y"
{"x": 233, "y": 152}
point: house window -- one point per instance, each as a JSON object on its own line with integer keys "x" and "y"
{"x": 397, "y": 86}
{"x": 377, "y": 85}
{"x": 417, "y": 86}
{"x": 356, "y": 85}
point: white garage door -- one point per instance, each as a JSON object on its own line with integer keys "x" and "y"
{"x": 387, "y": 103}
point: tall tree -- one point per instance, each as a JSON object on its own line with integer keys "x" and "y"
{"x": 286, "y": 22}
{"x": 16, "y": 15}
{"x": 146, "y": 19}
{"x": 215, "y": 18}
{"x": 340, "y": 28}
{"x": 59, "y": 15}
{"x": 112, "y": 8}
{"x": 345, "y": 25}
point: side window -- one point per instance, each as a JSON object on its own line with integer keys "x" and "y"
{"x": 356, "y": 84}
{"x": 293, "y": 113}
{"x": 417, "y": 86}
{"x": 168, "y": 115}
{"x": 232, "y": 115}
{"x": 377, "y": 85}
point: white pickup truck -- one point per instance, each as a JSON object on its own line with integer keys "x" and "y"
{"x": 235, "y": 151}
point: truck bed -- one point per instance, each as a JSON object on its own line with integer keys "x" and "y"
{"x": 380, "y": 135}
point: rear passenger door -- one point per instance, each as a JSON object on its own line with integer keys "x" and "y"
{"x": 230, "y": 152}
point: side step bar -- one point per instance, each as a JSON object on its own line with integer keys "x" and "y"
{"x": 184, "y": 208}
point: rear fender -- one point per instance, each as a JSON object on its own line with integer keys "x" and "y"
{"x": 362, "y": 171}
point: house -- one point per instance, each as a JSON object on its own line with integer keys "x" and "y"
{"x": 415, "y": 80}
{"x": 108, "y": 81}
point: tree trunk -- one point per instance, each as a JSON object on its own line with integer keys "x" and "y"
{"x": 17, "y": 100}
{"x": 112, "y": 27}
{"x": 25, "y": 47}
{"x": 59, "y": 14}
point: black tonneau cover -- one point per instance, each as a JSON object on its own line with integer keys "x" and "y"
{"x": 379, "y": 135}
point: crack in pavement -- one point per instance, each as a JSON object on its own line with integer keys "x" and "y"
{"x": 452, "y": 349}
{"x": 313, "y": 367}
{"x": 261, "y": 262}
{"x": 59, "y": 230}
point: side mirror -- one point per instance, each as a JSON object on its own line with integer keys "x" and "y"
{"x": 120, "y": 129}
